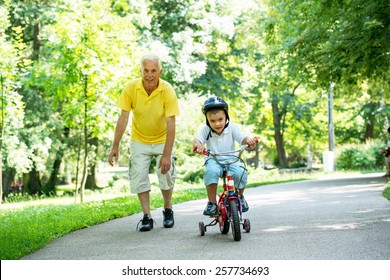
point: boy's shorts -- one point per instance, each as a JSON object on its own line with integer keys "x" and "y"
{"x": 214, "y": 172}
{"x": 140, "y": 159}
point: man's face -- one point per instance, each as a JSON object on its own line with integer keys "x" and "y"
{"x": 150, "y": 75}
{"x": 217, "y": 120}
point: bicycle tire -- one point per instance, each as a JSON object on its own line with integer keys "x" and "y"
{"x": 224, "y": 227}
{"x": 235, "y": 220}
{"x": 202, "y": 228}
{"x": 247, "y": 225}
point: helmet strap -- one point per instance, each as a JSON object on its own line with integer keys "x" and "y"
{"x": 212, "y": 130}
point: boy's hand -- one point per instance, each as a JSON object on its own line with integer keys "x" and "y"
{"x": 250, "y": 141}
{"x": 199, "y": 148}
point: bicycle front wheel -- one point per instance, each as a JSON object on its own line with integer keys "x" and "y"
{"x": 235, "y": 220}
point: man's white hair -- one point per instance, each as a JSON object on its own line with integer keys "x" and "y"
{"x": 152, "y": 57}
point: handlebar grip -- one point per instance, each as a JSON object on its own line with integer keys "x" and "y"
{"x": 256, "y": 140}
{"x": 204, "y": 152}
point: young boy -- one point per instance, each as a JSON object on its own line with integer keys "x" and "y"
{"x": 219, "y": 135}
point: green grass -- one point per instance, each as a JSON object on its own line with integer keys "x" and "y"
{"x": 386, "y": 191}
{"x": 25, "y": 228}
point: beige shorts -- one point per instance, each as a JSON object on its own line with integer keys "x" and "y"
{"x": 140, "y": 160}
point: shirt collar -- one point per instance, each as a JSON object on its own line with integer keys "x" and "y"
{"x": 140, "y": 86}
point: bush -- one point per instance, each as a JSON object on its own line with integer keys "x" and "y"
{"x": 361, "y": 156}
{"x": 191, "y": 169}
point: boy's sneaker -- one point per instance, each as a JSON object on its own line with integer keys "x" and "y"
{"x": 168, "y": 218}
{"x": 245, "y": 206}
{"x": 146, "y": 223}
{"x": 211, "y": 209}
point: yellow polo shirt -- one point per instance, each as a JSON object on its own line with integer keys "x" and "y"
{"x": 149, "y": 112}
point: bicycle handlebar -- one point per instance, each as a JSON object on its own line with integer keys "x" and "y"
{"x": 207, "y": 152}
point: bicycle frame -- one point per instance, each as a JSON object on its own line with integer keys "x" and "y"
{"x": 229, "y": 189}
{"x": 229, "y": 202}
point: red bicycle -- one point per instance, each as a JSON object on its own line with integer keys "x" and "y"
{"x": 229, "y": 202}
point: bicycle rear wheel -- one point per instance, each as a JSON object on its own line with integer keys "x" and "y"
{"x": 235, "y": 220}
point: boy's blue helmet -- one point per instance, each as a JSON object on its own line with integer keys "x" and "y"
{"x": 215, "y": 102}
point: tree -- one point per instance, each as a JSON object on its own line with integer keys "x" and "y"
{"x": 84, "y": 61}
{"x": 12, "y": 66}
{"x": 337, "y": 41}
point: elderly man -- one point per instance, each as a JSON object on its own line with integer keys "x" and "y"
{"x": 154, "y": 106}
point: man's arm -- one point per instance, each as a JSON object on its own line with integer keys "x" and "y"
{"x": 165, "y": 162}
{"x": 119, "y": 130}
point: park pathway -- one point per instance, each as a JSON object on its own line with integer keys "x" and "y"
{"x": 330, "y": 219}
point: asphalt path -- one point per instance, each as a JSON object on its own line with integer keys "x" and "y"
{"x": 330, "y": 219}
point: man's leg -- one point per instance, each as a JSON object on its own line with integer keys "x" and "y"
{"x": 147, "y": 221}
{"x": 167, "y": 212}
{"x": 166, "y": 184}
{"x": 167, "y": 195}
{"x": 144, "y": 200}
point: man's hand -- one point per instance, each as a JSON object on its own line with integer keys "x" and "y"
{"x": 119, "y": 130}
{"x": 165, "y": 164}
{"x": 114, "y": 154}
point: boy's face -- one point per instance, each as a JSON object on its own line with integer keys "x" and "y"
{"x": 217, "y": 120}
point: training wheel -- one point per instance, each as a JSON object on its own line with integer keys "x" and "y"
{"x": 202, "y": 228}
{"x": 247, "y": 225}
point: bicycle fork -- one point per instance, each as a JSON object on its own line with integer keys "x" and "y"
{"x": 231, "y": 193}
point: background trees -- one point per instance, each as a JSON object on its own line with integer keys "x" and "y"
{"x": 63, "y": 64}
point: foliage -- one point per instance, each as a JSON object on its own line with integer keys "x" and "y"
{"x": 361, "y": 156}
{"x": 386, "y": 192}
{"x": 64, "y": 63}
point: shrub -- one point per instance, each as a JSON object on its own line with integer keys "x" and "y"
{"x": 191, "y": 169}
{"x": 361, "y": 156}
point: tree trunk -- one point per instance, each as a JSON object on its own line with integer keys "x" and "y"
{"x": 369, "y": 130}
{"x": 1, "y": 176}
{"x": 34, "y": 185}
{"x": 370, "y": 118}
{"x": 7, "y": 177}
{"x": 85, "y": 167}
{"x": 369, "y": 113}
{"x": 50, "y": 187}
{"x": 278, "y": 135}
{"x": 36, "y": 41}
{"x": 1, "y": 138}
{"x": 90, "y": 184}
